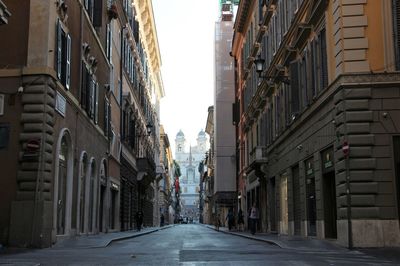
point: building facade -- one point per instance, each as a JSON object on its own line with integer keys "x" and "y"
{"x": 318, "y": 133}
{"x": 189, "y": 180}
{"x": 224, "y": 131}
{"x": 207, "y": 182}
{"x": 79, "y": 120}
{"x": 166, "y": 183}
{"x": 142, "y": 89}
{"x": 55, "y": 137}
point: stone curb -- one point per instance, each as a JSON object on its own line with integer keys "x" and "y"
{"x": 137, "y": 235}
{"x": 246, "y": 236}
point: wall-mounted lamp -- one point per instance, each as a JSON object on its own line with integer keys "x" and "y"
{"x": 148, "y": 130}
{"x": 259, "y": 62}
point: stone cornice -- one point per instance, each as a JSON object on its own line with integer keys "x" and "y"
{"x": 148, "y": 29}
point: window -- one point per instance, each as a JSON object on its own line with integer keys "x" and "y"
{"x": 63, "y": 56}
{"x": 109, "y": 41}
{"x": 89, "y": 94}
{"x": 107, "y": 118}
{"x": 4, "y": 135}
{"x": 94, "y": 9}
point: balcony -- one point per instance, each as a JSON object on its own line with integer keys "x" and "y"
{"x": 146, "y": 170}
{"x": 257, "y": 158}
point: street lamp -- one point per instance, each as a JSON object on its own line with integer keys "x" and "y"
{"x": 259, "y": 62}
{"x": 148, "y": 128}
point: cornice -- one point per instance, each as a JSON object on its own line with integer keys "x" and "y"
{"x": 148, "y": 29}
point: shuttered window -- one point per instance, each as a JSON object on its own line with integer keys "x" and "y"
{"x": 97, "y": 17}
{"x": 396, "y": 29}
{"x": 294, "y": 89}
{"x": 63, "y": 56}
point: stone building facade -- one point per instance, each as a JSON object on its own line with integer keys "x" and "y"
{"x": 225, "y": 195}
{"x": 63, "y": 80}
{"x": 54, "y": 156}
{"x": 318, "y": 127}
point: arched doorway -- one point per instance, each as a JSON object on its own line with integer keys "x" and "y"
{"x": 63, "y": 184}
{"x": 62, "y": 187}
{"x": 83, "y": 173}
{"x": 92, "y": 194}
{"x": 103, "y": 195}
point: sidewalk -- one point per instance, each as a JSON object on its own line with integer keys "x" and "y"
{"x": 315, "y": 245}
{"x": 287, "y": 242}
{"x": 104, "y": 239}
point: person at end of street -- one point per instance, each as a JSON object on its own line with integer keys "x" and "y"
{"x": 240, "y": 220}
{"x": 253, "y": 218}
{"x": 230, "y": 218}
{"x": 139, "y": 220}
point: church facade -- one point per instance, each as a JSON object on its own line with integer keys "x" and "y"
{"x": 189, "y": 158}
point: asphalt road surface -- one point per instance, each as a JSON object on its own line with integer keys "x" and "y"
{"x": 188, "y": 244}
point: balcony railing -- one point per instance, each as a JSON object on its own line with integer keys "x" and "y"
{"x": 258, "y": 155}
{"x": 146, "y": 165}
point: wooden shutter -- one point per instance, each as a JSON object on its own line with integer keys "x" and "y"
{"x": 109, "y": 120}
{"x": 96, "y": 101}
{"x": 324, "y": 60}
{"x": 294, "y": 88}
{"x": 97, "y": 13}
{"x": 91, "y": 97}
{"x": 106, "y": 117}
{"x": 59, "y": 49}
{"x": 68, "y": 67}
{"x": 396, "y": 31}
{"x": 84, "y": 86}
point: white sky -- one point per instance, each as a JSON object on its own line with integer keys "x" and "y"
{"x": 185, "y": 30}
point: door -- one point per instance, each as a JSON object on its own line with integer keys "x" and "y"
{"x": 272, "y": 205}
{"x": 296, "y": 200}
{"x": 102, "y": 198}
{"x": 311, "y": 206}
{"x": 62, "y": 197}
{"x": 330, "y": 212}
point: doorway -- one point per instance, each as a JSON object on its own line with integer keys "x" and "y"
{"x": 101, "y": 210}
{"x": 62, "y": 187}
{"x": 396, "y": 149}
{"x": 272, "y": 204}
{"x": 330, "y": 211}
{"x": 62, "y": 197}
{"x": 311, "y": 204}
{"x": 296, "y": 200}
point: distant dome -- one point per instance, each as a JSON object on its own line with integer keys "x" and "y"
{"x": 202, "y": 133}
{"x": 180, "y": 134}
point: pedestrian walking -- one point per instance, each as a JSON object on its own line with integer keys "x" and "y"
{"x": 253, "y": 218}
{"x": 139, "y": 220}
{"x": 240, "y": 220}
{"x": 230, "y": 218}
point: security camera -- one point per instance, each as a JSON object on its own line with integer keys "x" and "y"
{"x": 20, "y": 89}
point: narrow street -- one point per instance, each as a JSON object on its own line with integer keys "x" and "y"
{"x": 190, "y": 244}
